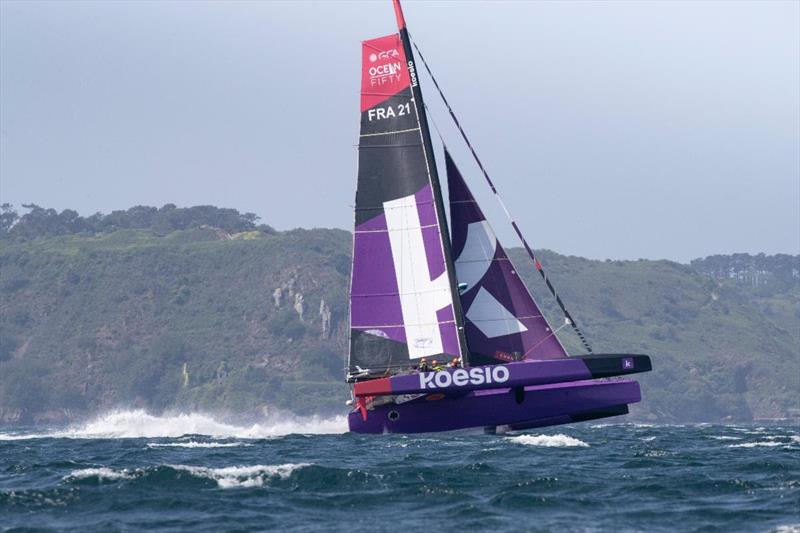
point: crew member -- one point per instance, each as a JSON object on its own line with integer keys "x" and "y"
{"x": 437, "y": 366}
{"x": 454, "y": 363}
{"x": 423, "y": 365}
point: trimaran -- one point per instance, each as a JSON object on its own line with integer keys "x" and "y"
{"x": 418, "y": 292}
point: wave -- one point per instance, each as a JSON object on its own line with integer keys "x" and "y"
{"x": 23, "y": 436}
{"x": 242, "y": 476}
{"x": 765, "y": 444}
{"x": 141, "y": 424}
{"x": 773, "y": 441}
{"x": 654, "y": 453}
{"x": 554, "y": 441}
{"x": 101, "y": 473}
{"x": 196, "y": 444}
{"x": 225, "y": 477}
{"x": 638, "y": 425}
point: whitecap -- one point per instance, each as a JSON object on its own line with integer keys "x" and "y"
{"x": 791, "y": 438}
{"x": 100, "y": 473}
{"x": 766, "y": 444}
{"x": 557, "y": 441}
{"x": 788, "y": 441}
{"x": 141, "y": 424}
{"x": 242, "y": 476}
{"x": 22, "y": 436}
{"x": 196, "y": 444}
{"x": 723, "y": 437}
{"x": 656, "y": 453}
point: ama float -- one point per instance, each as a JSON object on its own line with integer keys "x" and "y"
{"x": 419, "y": 291}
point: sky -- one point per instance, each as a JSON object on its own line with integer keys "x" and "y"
{"x": 622, "y": 130}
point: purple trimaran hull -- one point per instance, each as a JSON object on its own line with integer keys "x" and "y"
{"x": 549, "y": 405}
{"x": 518, "y": 395}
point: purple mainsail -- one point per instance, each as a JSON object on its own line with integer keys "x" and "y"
{"x": 502, "y": 321}
{"x": 402, "y": 295}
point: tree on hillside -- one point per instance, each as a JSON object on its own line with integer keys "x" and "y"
{"x": 44, "y": 222}
{"x": 8, "y": 217}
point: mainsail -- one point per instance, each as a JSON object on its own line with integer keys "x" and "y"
{"x": 403, "y": 302}
{"x": 503, "y": 322}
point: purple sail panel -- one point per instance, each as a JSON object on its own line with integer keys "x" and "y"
{"x": 400, "y": 290}
{"x": 503, "y": 322}
{"x": 375, "y": 305}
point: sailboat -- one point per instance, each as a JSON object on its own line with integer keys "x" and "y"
{"x": 420, "y": 293}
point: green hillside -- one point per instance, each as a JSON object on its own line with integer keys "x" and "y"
{"x": 206, "y": 310}
{"x": 716, "y": 355}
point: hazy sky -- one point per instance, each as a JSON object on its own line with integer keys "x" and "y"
{"x": 613, "y": 130}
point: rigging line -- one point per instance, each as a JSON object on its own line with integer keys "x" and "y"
{"x": 525, "y": 244}
{"x": 552, "y": 333}
{"x": 430, "y": 116}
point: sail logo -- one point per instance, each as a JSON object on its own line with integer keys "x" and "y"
{"x": 479, "y": 375}
{"x": 413, "y": 73}
{"x": 423, "y": 342}
{"x": 387, "y": 73}
{"x": 386, "y": 55}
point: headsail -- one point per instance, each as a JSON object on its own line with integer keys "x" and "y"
{"x": 403, "y": 305}
{"x": 503, "y": 322}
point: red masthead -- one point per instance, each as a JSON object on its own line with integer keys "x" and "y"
{"x": 398, "y": 11}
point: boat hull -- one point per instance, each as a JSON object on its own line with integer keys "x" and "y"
{"x": 532, "y": 406}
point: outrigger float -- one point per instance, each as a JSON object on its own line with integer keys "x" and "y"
{"x": 419, "y": 293}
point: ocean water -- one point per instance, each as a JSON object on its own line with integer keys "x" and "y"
{"x": 130, "y": 471}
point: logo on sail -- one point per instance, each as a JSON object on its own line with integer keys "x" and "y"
{"x": 384, "y": 74}
{"x": 478, "y": 375}
{"x": 386, "y": 55}
{"x": 423, "y": 342}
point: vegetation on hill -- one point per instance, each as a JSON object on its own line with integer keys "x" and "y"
{"x": 716, "y": 356}
{"x": 203, "y": 309}
{"x": 40, "y": 222}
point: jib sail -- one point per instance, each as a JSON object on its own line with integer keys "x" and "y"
{"x": 502, "y": 321}
{"x": 403, "y": 303}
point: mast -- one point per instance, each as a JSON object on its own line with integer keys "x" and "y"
{"x": 430, "y": 160}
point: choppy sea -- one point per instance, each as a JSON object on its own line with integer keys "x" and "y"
{"x": 130, "y": 471}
